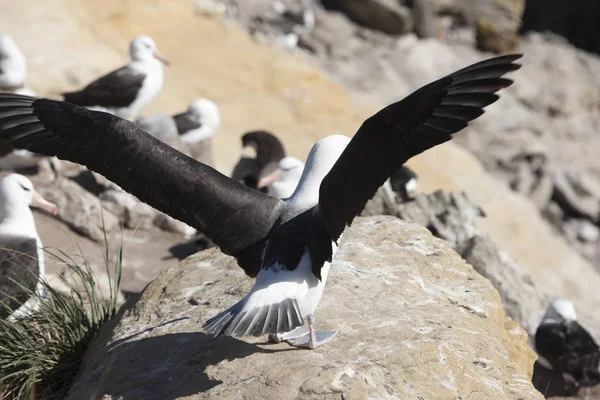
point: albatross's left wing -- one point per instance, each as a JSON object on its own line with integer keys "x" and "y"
{"x": 232, "y": 215}
{"x": 384, "y": 142}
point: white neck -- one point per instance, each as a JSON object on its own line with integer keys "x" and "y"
{"x": 321, "y": 159}
{"x": 198, "y": 135}
{"x": 306, "y": 194}
{"x": 17, "y": 219}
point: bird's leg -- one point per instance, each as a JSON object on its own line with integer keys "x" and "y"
{"x": 293, "y": 334}
{"x": 313, "y": 338}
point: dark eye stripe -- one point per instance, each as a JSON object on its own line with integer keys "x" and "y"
{"x": 25, "y": 188}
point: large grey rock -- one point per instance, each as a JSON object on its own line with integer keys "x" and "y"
{"x": 496, "y": 22}
{"x": 414, "y": 321}
{"x": 523, "y": 299}
{"x": 79, "y": 209}
{"x": 572, "y": 195}
{"x": 449, "y": 215}
{"x": 389, "y": 16}
{"x": 170, "y": 224}
{"x": 19, "y": 159}
{"x": 134, "y": 213}
{"x": 575, "y": 20}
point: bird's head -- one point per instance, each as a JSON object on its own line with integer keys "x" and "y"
{"x": 16, "y": 191}
{"x": 143, "y": 48}
{"x": 206, "y": 113}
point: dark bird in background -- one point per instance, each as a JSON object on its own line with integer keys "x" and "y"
{"x": 404, "y": 183}
{"x": 287, "y": 245}
{"x": 566, "y": 348}
{"x": 269, "y": 151}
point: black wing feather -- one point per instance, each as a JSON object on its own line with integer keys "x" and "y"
{"x": 426, "y": 118}
{"x": 232, "y": 215}
{"x": 118, "y": 88}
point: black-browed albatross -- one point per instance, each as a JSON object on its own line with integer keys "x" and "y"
{"x": 564, "y": 346}
{"x": 127, "y": 90}
{"x": 269, "y": 151}
{"x": 21, "y": 255}
{"x": 199, "y": 122}
{"x": 13, "y": 68}
{"x": 286, "y": 244}
{"x": 282, "y": 182}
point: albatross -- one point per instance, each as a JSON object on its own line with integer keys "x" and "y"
{"x": 13, "y": 68}
{"x": 269, "y": 151}
{"x": 127, "y": 90}
{"x": 286, "y": 245}
{"x": 564, "y": 346}
{"x": 21, "y": 255}
{"x": 199, "y": 122}
{"x": 283, "y": 181}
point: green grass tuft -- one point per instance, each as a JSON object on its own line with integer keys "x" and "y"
{"x": 40, "y": 355}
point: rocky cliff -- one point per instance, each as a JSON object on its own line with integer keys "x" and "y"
{"x": 414, "y": 321}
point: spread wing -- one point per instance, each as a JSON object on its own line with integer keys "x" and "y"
{"x": 232, "y": 215}
{"x": 424, "y": 119}
{"x": 115, "y": 89}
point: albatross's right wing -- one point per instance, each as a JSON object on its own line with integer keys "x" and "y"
{"x": 229, "y": 213}
{"x": 422, "y": 120}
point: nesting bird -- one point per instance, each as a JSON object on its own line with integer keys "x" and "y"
{"x": 127, "y": 90}
{"x": 283, "y": 181}
{"x": 564, "y": 346}
{"x": 199, "y": 122}
{"x": 269, "y": 151}
{"x": 13, "y": 68}
{"x": 404, "y": 183}
{"x": 287, "y": 245}
{"x": 21, "y": 255}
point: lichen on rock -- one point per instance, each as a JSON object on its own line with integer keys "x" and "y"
{"x": 414, "y": 321}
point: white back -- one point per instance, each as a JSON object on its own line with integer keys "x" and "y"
{"x": 321, "y": 159}
{"x": 16, "y": 193}
{"x": 12, "y": 64}
{"x": 206, "y": 113}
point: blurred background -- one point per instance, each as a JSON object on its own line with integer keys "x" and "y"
{"x": 307, "y": 69}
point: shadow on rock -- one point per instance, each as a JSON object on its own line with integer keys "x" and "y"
{"x": 183, "y": 250}
{"x": 163, "y": 367}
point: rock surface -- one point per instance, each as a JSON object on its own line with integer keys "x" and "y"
{"x": 133, "y": 213}
{"x": 575, "y": 20}
{"x": 389, "y": 16}
{"x": 414, "y": 321}
{"x": 523, "y": 299}
{"x": 79, "y": 209}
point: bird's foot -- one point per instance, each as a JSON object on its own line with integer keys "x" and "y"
{"x": 320, "y": 338}
{"x": 293, "y": 334}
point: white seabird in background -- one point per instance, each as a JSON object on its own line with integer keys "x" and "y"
{"x": 283, "y": 181}
{"x": 21, "y": 250}
{"x": 13, "y": 68}
{"x": 199, "y": 122}
{"x": 127, "y": 90}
